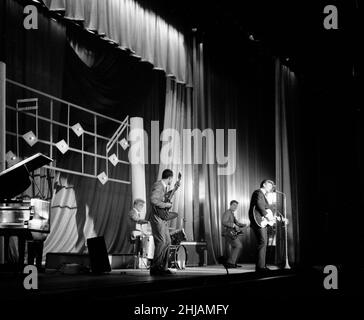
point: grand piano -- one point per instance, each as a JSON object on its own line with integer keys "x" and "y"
{"x": 20, "y": 217}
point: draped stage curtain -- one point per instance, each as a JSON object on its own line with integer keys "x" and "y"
{"x": 178, "y": 116}
{"x": 132, "y": 27}
{"x": 232, "y": 94}
{"x": 33, "y": 57}
{"x": 286, "y": 173}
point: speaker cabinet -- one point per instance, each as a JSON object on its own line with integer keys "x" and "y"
{"x": 99, "y": 259}
{"x": 196, "y": 253}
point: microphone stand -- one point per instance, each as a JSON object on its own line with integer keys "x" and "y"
{"x": 285, "y": 228}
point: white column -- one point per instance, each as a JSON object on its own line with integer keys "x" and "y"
{"x": 2, "y": 133}
{"x": 137, "y": 158}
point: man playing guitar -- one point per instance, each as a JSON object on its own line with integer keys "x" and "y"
{"x": 260, "y": 215}
{"x": 160, "y": 201}
{"x": 232, "y": 228}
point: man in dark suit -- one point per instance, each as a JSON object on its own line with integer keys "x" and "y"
{"x": 230, "y": 223}
{"x": 162, "y": 239}
{"x": 261, "y": 204}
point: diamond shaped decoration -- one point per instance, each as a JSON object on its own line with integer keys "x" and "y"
{"x": 77, "y": 129}
{"x": 30, "y": 138}
{"x": 11, "y": 158}
{"x": 114, "y": 159}
{"x": 102, "y": 177}
{"x": 124, "y": 143}
{"x": 62, "y": 146}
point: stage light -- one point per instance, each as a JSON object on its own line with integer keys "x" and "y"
{"x": 124, "y": 143}
{"x": 62, "y": 146}
{"x": 30, "y": 138}
{"x": 251, "y": 37}
{"x": 114, "y": 159}
{"x": 77, "y": 129}
{"x": 102, "y": 177}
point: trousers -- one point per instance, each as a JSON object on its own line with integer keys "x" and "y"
{"x": 235, "y": 245}
{"x": 262, "y": 238}
{"x": 162, "y": 241}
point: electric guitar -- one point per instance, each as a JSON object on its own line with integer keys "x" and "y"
{"x": 164, "y": 212}
{"x": 262, "y": 221}
{"x": 233, "y": 233}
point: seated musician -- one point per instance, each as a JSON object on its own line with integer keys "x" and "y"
{"x": 231, "y": 230}
{"x": 140, "y": 226}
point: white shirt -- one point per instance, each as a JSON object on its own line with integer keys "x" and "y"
{"x": 164, "y": 185}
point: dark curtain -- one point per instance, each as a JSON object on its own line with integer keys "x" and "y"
{"x": 236, "y": 94}
{"x": 286, "y": 100}
{"x": 329, "y": 123}
{"x": 32, "y": 57}
{"x": 108, "y": 81}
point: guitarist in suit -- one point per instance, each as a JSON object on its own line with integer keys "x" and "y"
{"x": 260, "y": 202}
{"x": 230, "y": 232}
{"x": 162, "y": 239}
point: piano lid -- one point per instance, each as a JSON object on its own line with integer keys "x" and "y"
{"x": 16, "y": 180}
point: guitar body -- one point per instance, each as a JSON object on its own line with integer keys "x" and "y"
{"x": 233, "y": 234}
{"x": 165, "y": 214}
{"x": 263, "y": 221}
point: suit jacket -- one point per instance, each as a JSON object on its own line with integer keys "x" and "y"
{"x": 157, "y": 195}
{"x": 260, "y": 202}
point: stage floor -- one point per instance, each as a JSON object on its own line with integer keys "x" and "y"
{"x": 209, "y": 284}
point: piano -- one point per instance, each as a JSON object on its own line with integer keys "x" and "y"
{"x": 22, "y": 218}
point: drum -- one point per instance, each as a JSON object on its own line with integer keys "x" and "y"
{"x": 147, "y": 247}
{"x": 177, "y": 257}
{"x": 177, "y": 236}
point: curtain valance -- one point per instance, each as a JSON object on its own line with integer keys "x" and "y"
{"x": 133, "y": 27}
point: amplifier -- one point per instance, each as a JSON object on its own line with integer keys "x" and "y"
{"x": 196, "y": 253}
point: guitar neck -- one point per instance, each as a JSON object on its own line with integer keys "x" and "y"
{"x": 172, "y": 193}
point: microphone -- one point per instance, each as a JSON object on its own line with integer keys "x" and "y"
{"x": 277, "y": 191}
